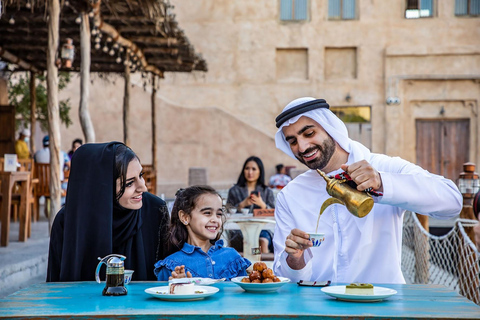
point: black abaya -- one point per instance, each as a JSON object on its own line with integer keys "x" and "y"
{"x": 92, "y": 224}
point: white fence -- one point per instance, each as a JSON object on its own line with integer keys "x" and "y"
{"x": 451, "y": 260}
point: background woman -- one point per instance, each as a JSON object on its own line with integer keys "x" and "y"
{"x": 252, "y": 193}
{"x": 107, "y": 211}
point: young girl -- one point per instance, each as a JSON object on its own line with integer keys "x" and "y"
{"x": 194, "y": 241}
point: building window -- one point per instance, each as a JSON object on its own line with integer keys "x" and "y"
{"x": 293, "y": 10}
{"x": 467, "y": 7}
{"x": 292, "y": 64}
{"x": 341, "y": 9}
{"x": 419, "y": 9}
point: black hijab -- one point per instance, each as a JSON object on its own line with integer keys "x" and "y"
{"x": 93, "y": 224}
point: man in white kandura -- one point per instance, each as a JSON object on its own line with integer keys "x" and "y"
{"x": 355, "y": 249}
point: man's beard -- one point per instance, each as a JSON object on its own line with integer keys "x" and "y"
{"x": 325, "y": 153}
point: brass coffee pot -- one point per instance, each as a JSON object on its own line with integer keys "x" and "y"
{"x": 358, "y": 203}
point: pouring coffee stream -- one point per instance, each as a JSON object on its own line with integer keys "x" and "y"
{"x": 358, "y": 203}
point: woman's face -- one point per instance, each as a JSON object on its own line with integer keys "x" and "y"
{"x": 134, "y": 187}
{"x": 76, "y": 145}
{"x": 251, "y": 171}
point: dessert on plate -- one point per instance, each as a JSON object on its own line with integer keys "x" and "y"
{"x": 181, "y": 288}
{"x": 359, "y": 288}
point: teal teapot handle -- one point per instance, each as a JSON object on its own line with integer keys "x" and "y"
{"x": 104, "y": 260}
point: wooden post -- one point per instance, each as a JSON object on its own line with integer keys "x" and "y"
{"x": 33, "y": 110}
{"x": 53, "y": 107}
{"x": 85, "y": 120}
{"x": 154, "y": 128}
{"x": 126, "y": 99}
{"x": 422, "y": 252}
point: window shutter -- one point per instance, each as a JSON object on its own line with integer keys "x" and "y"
{"x": 300, "y": 9}
{"x": 426, "y": 8}
{"x": 348, "y": 9}
{"x": 286, "y": 9}
{"x": 461, "y": 7}
{"x": 334, "y": 7}
{"x": 475, "y": 7}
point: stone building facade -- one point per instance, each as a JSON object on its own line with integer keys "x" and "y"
{"x": 416, "y": 70}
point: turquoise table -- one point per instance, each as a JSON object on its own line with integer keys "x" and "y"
{"x": 84, "y": 300}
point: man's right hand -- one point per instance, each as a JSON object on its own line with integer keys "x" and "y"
{"x": 295, "y": 244}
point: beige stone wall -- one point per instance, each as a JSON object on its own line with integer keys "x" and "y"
{"x": 217, "y": 119}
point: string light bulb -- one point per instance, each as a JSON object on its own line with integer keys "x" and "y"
{"x": 111, "y": 52}
{"x": 105, "y": 48}
{"x": 11, "y": 21}
{"x": 97, "y": 46}
{"x": 118, "y": 60}
{"x": 78, "y": 20}
{"x": 28, "y": 5}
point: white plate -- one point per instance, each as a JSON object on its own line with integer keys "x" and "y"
{"x": 260, "y": 287}
{"x": 164, "y": 293}
{"x": 379, "y": 293}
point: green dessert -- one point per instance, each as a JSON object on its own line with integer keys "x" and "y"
{"x": 359, "y": 288}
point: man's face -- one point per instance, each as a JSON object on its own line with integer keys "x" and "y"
{"x": 310, "y": 143}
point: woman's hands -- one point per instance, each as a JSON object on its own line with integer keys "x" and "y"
{"x": 179, "y": 272}
{"x": 253, "y": 198}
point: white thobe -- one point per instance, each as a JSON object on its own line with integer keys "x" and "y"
{"x": 359, "y": 249}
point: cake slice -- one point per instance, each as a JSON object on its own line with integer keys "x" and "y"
{"x": 359, "y": 288}
{"x": 181, "y": 288}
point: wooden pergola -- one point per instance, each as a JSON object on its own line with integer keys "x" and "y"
{"x": 119, "y": 36}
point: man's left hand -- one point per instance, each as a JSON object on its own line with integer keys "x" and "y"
{"x": 364, "y": 175}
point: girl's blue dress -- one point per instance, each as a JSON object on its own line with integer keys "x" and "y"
{"x": 219, "y": 262}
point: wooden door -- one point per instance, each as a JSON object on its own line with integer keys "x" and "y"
{"x": 7, "y": 131}
{"x": 442, "y": 146}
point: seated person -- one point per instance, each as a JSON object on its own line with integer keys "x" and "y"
{"x": 280, "y": 179}
{"x": 194, "y": 242}
{"x": 252, "y": 193}
{"x": 107, "y": 210}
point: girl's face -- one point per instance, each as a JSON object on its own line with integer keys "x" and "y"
{"x": 251, "y": 171}
{"x": 205, "y": 221}
{"x": 134, "y": 187}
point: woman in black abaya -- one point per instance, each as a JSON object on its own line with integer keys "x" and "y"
{"x": 107, "y": 211}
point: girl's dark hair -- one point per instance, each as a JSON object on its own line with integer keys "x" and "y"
{"x": 123, "y": 156}
{"x": 77, "y": 141}
{"x": 242, "y": 182}
{"x": 186, "y": 200}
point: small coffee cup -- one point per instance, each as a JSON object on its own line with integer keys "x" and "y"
{"x": 128, "y": 276}
{"x": 245, "y": 211}
{"x": 316, "y": 238}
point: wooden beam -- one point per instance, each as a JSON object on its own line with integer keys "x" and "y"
{"x": 126, "y": 103}
{"x": 154, "y": 128}
{"x": 155, "y": 40}
{"x": 172, "y": 51}
{"x": 33, "y": 112}
{"x": 53, "y": 108}
{"x": 116, "y": 36}
{"x": 124, "y": 18}
{"x": 85, "y": 120}
{"x": 7, "y": 56}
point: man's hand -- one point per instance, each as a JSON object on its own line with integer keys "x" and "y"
{"x": 179, "y": 272}
{"x": 477, "y": 235}
{"x": 295, "y": 244}
{"x": 364, "y": 175}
